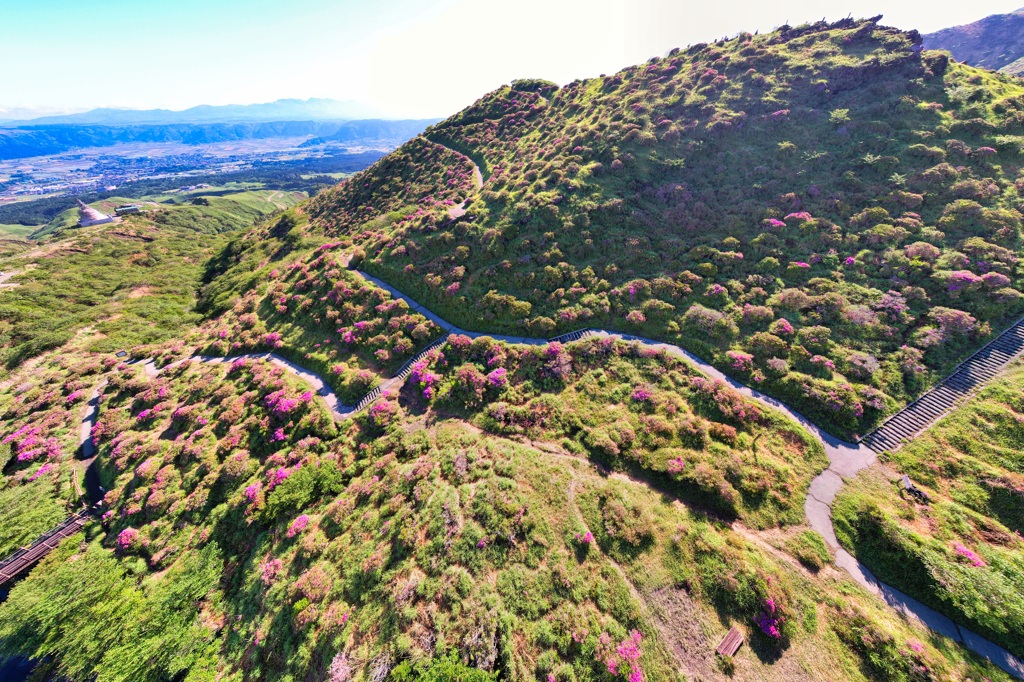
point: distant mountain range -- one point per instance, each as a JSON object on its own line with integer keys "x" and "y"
{"x": 41, "y": 140}
{"x": 995, "y": 42}
{"x": 280, "y": 110}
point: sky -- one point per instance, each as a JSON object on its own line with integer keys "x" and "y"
{"x": 403, "y": 58}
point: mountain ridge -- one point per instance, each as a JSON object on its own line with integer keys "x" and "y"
{"x": 313, "y": 109}
{"x": 995, "y": 42}
{"x": 40, "y": 140}
{"x": 646, "y": 163}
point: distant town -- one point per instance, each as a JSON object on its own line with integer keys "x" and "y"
{"x": 106, "y": 169}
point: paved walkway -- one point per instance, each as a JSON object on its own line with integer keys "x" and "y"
{"x": 845, "y": 460}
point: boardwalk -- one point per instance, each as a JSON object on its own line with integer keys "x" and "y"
{"x": 939, "y": 401}
{"x": 26, "y": 557}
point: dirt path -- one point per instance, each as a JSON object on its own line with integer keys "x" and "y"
{"x": 274, "y": 195}
{"x": 7, "y": 275}
{"x": 459, "y": 210}
{"x": 845, "y": 460}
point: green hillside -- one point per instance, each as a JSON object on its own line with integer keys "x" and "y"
{"x": 116, "y": 286}
{"x": 825, "y": 211}
{"x": 963, "y": 553}
{"x": 995, "y": 42}
{"x": 247, "y": 537}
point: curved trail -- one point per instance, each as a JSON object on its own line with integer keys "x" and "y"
{"x": 845, "y": 459}
{"x": 459, "y": 210}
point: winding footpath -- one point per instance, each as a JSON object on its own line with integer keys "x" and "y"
{"x": 845, "y": 459}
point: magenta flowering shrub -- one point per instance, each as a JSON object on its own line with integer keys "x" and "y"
{"x": 621, "y": 660}
{"x": 635, "y": 317}
{"x": 642, "y": 394}
{"x": 128, "y": 539}
{"x": 498, "y": 378}
{"x": 770, "y": 619}
{"x": 42, "y": 471}
{"x": 270, "y": 570}
{"x": 383, "y": 412}
{"x": 329, "y": 320}
{"x": 969, "y": 556}
{"x": 298, "y": 525}
{"x": 586, "y": 538}
{"x": 740, "y": 361}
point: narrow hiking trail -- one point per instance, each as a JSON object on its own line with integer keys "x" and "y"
{"x": 459, "y": 210}
{"x": 845, "y": 459}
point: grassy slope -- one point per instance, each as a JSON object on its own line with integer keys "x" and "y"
{"x": 251, "y": 538}
{"x": 17, "y": 230}
{"x": 127, "y": 284}
{"x": 420, "y": 534}
{"x": 972, "y": 467}
{"x": 645, "y": 201}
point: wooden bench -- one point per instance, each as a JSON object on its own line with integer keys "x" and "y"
{"x": 731, "y": 643}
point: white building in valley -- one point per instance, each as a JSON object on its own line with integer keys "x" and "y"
{"x": 90, "y": 216}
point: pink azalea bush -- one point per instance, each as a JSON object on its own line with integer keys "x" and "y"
{"x": 770, "y": 619}
{"x": 970, "y": 556}
{"x": 127, "y": 539}
{"x": 298, "y": 525}
{"x": 622, "y": 660}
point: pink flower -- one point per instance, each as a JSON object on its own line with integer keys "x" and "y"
{"x": 498, "y": 378}
{"x": 41, "y": 471}
{"x": 269, "y": 571}
{"x": 585, "y": 539}
{"x": 298, "y": 525}
{"x": 127, "y": 538}
{"x": 635, "y": 317}
{"x": 273, "y": 339}
{"x": 975, "y": 560}
{"x": 740, "y": 361}
{"x": 642, "y": 394}
{"x": 769, "y": 620}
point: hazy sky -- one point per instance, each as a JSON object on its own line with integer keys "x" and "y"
{"x": 407, "y": 58}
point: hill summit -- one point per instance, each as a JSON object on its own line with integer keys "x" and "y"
{"x": 995, "y": 42}
{"x": 828, "y": 211}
